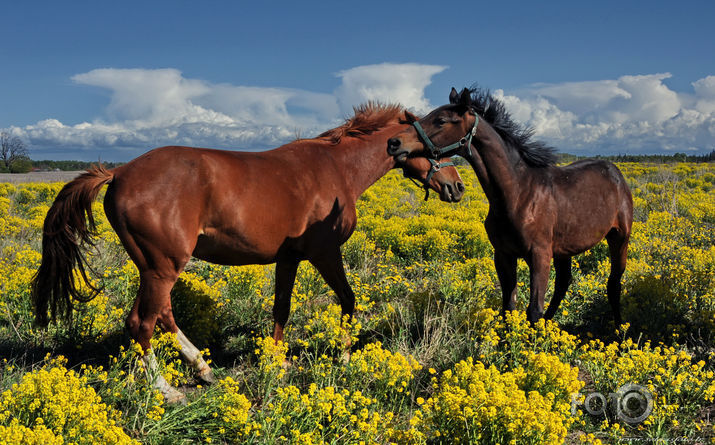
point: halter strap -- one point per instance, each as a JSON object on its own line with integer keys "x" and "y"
{"x": 436, "y": 166}
{"x": 436, "y": 152}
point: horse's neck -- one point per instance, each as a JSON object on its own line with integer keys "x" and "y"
{"x": 363, "y": 161}
{"x": 498, "y": 171}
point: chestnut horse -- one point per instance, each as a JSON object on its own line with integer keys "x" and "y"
{"x": 537, "y": 211}
{"x": 293, "y": 203}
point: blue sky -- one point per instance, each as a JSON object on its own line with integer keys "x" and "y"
{"x": 90, "y": 79}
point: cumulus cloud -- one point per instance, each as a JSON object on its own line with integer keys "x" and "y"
{"x": 628, "y": 114}
{"x": 387, "y": 82}
{"x": 152, "y": 107}
{"x": 158, "y": 96}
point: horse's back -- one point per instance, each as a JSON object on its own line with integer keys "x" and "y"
{"x": 156, "y": 178}
{"x": 188, "y": 174}
{"x": 590, "y": 176}
{"x": 222, "y": 206}
{"x": 155, "y": 203}
{"x": 604, "y": 175}
{"x": 592, "y": 198}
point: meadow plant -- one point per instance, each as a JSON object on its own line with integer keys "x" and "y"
{"x": 432, "y": 360}
{"x": 474, "y": 403}
{"x": 680, "y": 386}
{"x": 55, "y": 404}
{"x": 271, "y": 363}
{"x": 382, "y": 374}
{"x": 323, "y": 415}
{"x": 328, "y": 332}
{"x": 197, "y": 306}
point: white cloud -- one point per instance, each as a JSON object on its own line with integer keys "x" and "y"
{"x": 387, "y": 82}
{"x": 271, "y": 106}
{"x": 148, "y": 108}
{"x": 159, "y": 96}
{"x": 705, "y": 95}
{"x": 628, "y": 114}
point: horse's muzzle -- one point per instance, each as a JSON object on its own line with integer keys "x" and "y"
{"x": 452, "y": 192}
{"x": 395, "y": 149}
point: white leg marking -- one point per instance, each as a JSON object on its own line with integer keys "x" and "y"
{"x": 192, "y": 355}
{"x": 151, "y": 366}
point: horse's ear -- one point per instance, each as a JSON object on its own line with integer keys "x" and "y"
{"x": 465, "y": 98}
{"x": 410, "y": 118}
{"x": 453, "y": 96}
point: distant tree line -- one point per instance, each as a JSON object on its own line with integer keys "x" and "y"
{"x": 656, "y": 159}
{"x": 49, "y": 165}
{"x": 14, "y": 158}
{"x": 563, "y": 157}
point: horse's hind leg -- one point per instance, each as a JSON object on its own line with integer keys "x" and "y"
{"x": 562, "y": 268}
{"x": 618, "y": 247}
{"x": 192, "y": 355}
{"x": 166, "y": 322}
{"x": 151, "y": 306}
{"x": 155, "y": 303}
{"x": 158, "y": 271}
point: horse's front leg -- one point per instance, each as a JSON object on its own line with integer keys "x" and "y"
{"x": 505, "y": 265}
{"x": 562, "y": 269}
{"x": 285, "y": 279}
{"x": 330, "y": 266}
{"x": 539, "y": 263}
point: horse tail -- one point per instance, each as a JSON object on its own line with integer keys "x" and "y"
{"x": 69, "y": 223}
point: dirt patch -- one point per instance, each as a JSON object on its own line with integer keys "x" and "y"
{"x": 19, "y": 178}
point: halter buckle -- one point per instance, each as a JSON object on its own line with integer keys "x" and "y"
{"x": 436, "y": 165}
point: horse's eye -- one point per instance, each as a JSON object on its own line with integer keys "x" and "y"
{"x": 439, "y": 122}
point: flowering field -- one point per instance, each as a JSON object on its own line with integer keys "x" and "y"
{"x": 432, "y": 361}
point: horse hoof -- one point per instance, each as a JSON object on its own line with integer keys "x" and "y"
{"x": 207, "y": 376}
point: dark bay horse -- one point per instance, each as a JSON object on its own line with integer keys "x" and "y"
{"x": 537, "y": 211}
{"x": 293, "y": 203}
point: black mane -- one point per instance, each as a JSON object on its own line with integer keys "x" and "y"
{"x": 518, "y": 136}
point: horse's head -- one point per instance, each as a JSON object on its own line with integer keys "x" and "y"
{"x": 440, "y": 176}
{"x": 446, "y": 131}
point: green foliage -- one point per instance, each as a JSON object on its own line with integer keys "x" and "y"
{"x": 659, "y": 158}
{"x": 21, "y": 165}
{"x": 70, "y": 165}
{"x": 432, "y": 361}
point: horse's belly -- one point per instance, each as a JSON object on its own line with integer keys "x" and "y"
{"x": 577, "y": 241}
{"x": 233, "y": 252}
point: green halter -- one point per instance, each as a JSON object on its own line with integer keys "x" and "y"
{"x": 436, "y": 152}
{"x": 436, "y": 166}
